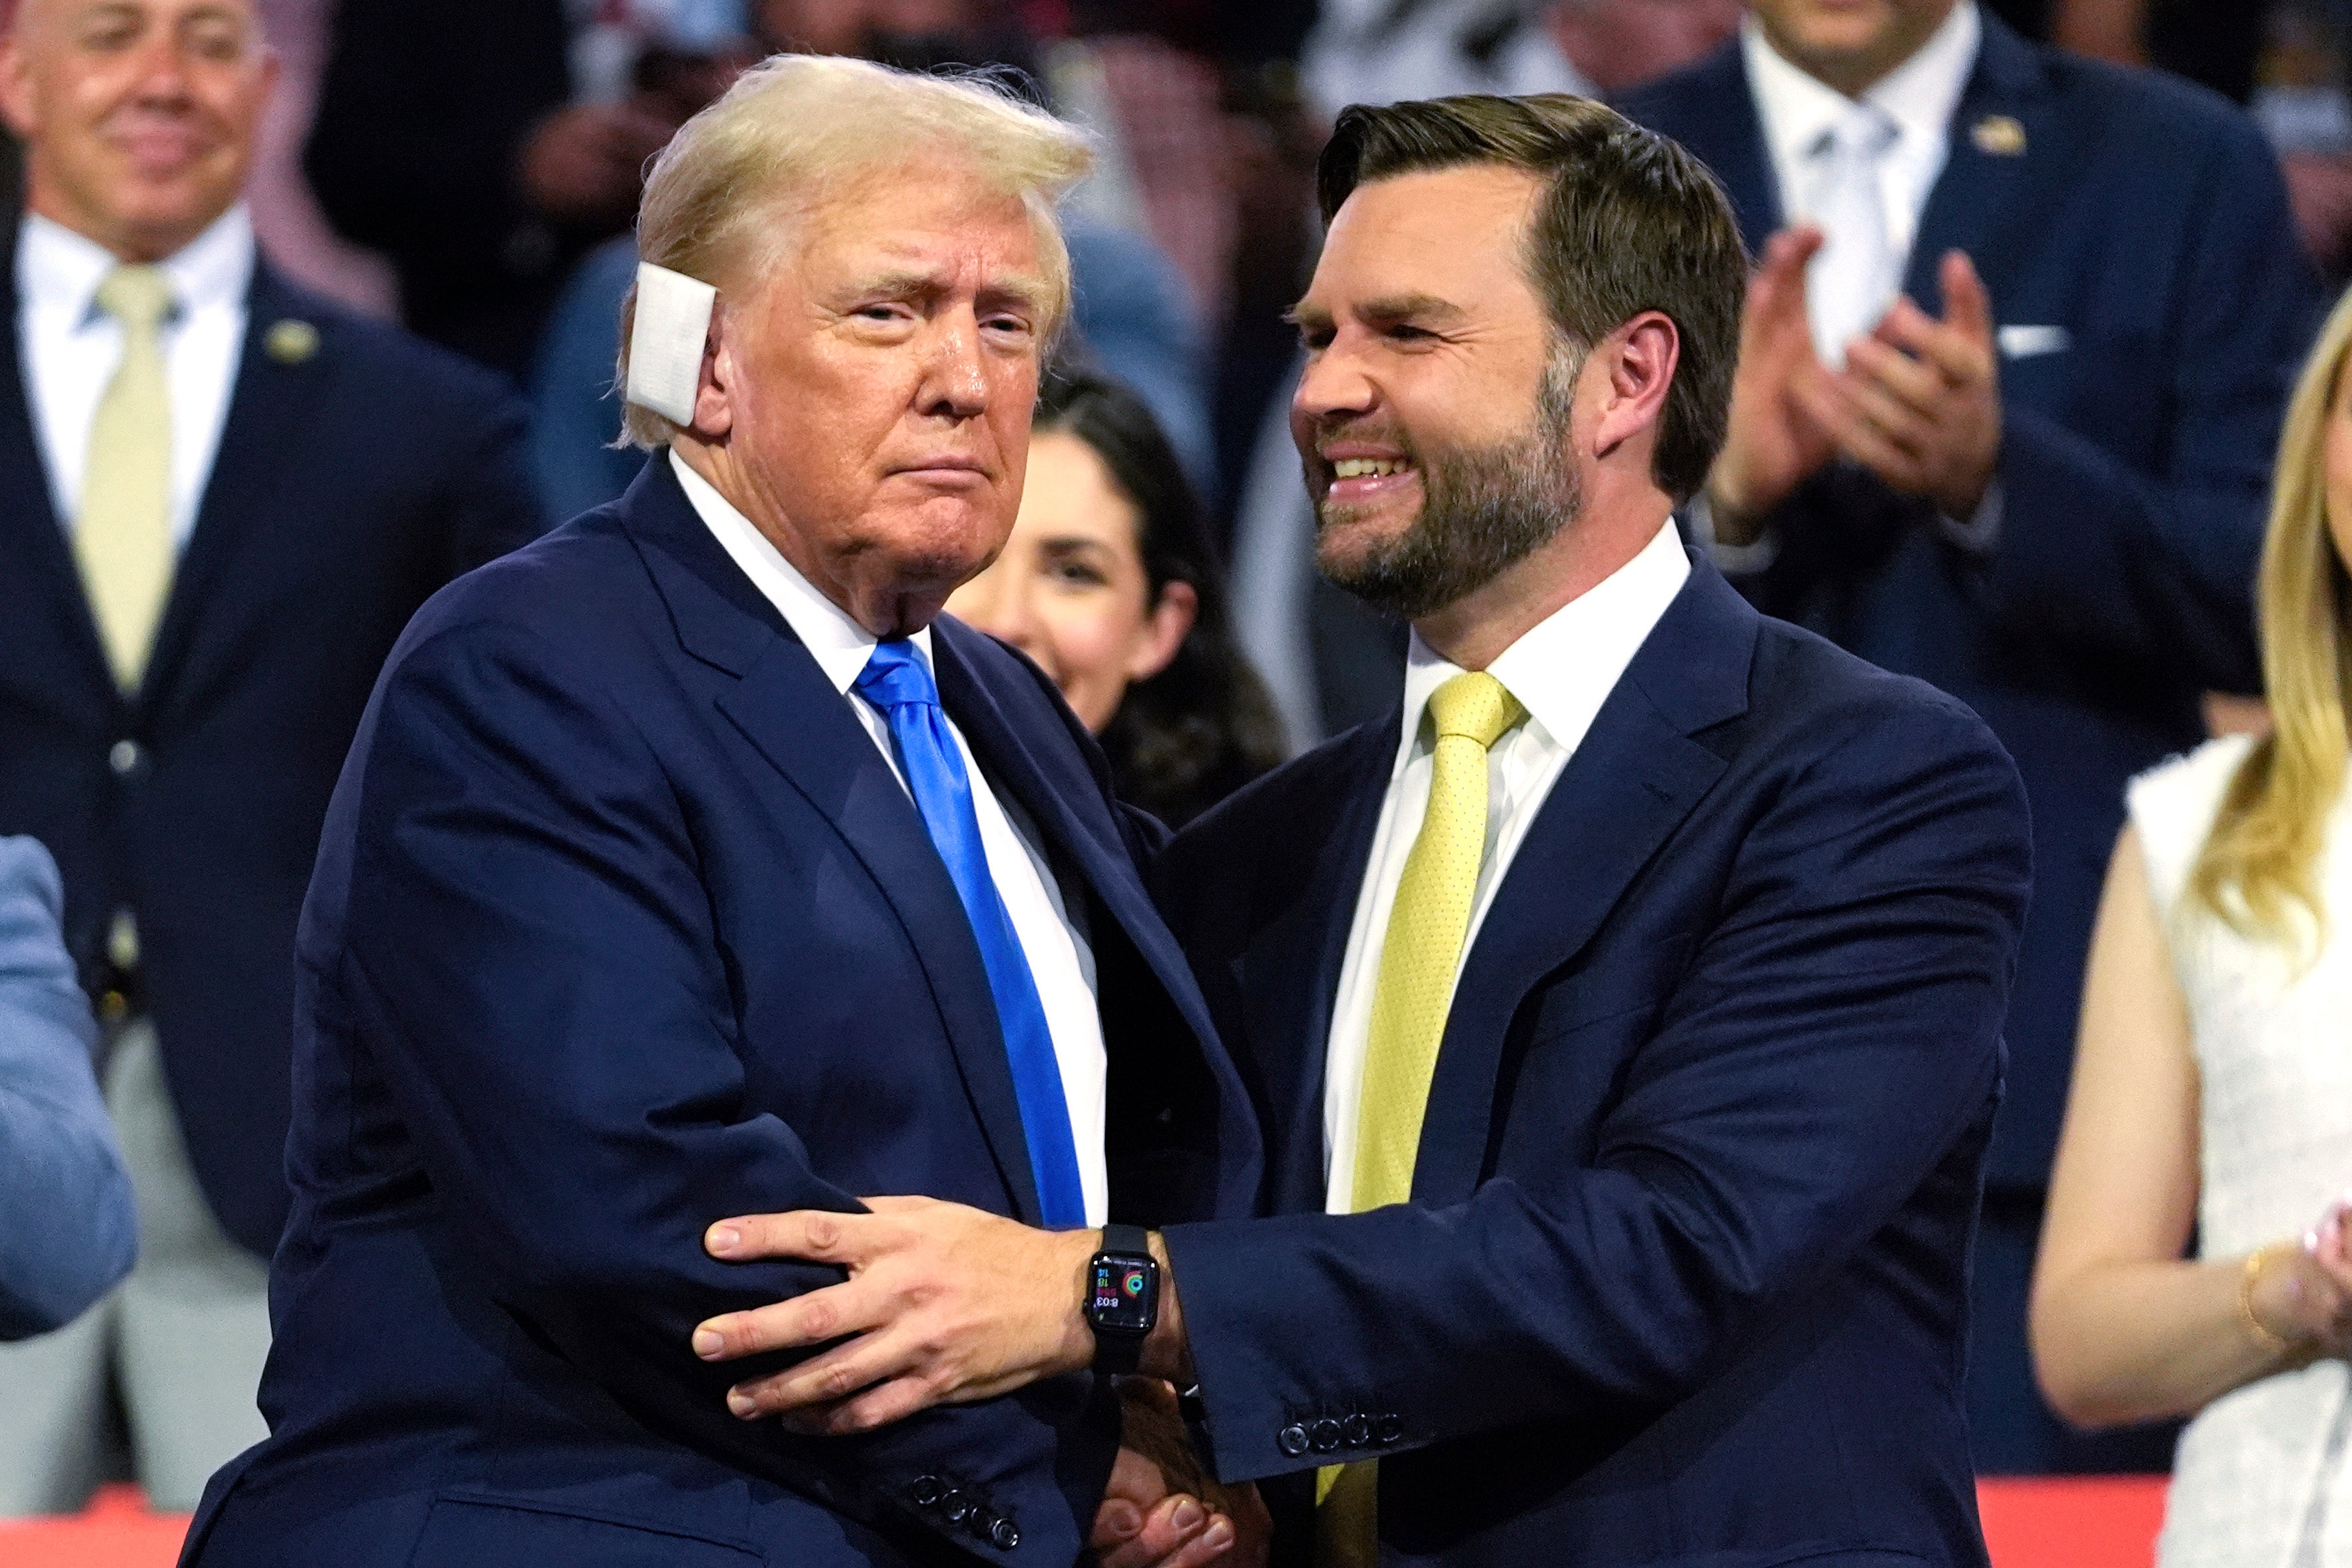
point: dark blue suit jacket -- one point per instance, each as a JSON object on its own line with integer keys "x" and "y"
{"x": 623, "y": 924}
{"x": 1683, "y": 1277}
{"x": 2143, "y": 219}
{"x": 349, "y": 484}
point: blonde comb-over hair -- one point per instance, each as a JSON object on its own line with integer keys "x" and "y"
{"x": 797, "y": 129}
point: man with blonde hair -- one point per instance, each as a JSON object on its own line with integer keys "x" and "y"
{"x": 684, "y": 866}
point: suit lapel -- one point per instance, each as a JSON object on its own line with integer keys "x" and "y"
{"x": 1290, "y": 975}
{"x": 1051, "y": 793}
{"x": 272, "y": 405}
{"x": 2002, "y": 136}
{"x": 1631, "y": 781}
{"x": 786, "y": 708}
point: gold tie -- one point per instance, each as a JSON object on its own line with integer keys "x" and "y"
{"x": 1419, "y": 957}
{"x": 122, "y": 538}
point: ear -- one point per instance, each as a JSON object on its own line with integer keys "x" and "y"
{"x": 16, "y": 85}
{"x": 1633, "y": 369}
{"x": 1164, "y": 630}
{"x": 714, "y": 395}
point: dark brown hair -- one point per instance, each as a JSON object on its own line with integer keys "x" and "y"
{"x": 1628, "y": 222}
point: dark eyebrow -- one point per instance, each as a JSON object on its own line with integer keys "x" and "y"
{"x": 1390, "y": 308}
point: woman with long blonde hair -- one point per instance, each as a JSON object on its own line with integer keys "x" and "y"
{"x": 2212, "y": 1086}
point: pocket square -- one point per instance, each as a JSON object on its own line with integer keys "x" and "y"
{"x": 2023, "y": 342}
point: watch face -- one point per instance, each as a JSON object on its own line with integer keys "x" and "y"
{"x": 1124, "y": 1296}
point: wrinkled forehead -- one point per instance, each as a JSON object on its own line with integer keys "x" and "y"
{"x": 923, "y": 229}
{"x": 1458, "y": 234}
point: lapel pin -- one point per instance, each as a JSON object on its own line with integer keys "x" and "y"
{"x": 290, "y": 341}
{"x": 1999, "y": 136}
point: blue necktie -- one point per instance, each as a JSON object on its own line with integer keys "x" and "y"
{"x": 896, "y": 681}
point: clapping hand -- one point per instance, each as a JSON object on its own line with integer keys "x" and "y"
{"x": 1919, "y": 402}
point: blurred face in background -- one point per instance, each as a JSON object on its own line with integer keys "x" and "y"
{"x": 1849, "y": 44}
{"x": 1071, "y": 590}
{"x": 1621, "y": 43}
{"x": 869, "y": 409}
{"x": 138, "y": 116}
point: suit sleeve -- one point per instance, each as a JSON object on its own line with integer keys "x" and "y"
{"x": 1834, "y": 1033}
{"x": 67, "y": 1231}
{"x": 531, "y": 948}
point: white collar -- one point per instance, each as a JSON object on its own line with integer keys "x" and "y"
{"x": 1919, "y": 95}
{"x": 1563, "y": 667}
{"x": 58, "y": 268}
{"x": 840, "y": 645}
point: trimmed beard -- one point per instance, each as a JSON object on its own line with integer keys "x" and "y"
{"x": 1483, "y": 510}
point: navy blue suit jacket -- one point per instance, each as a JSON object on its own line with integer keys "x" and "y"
{"x": 2145, "y": 220}
{"x": 623, "y": 924}
{"x": 351, "y": 482}
{"x": 1684, "y": 1274}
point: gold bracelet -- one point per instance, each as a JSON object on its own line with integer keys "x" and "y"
{"x": 2277, "y": 1345}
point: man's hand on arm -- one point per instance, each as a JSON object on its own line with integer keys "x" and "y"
{"x": 1919, "y": 401}
{"x": 1773, "y": 443}
{"x": 944, "y": 1304}
{"x": 948, "y": 1304}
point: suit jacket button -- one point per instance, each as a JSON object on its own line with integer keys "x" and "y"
{"x": 926, "y": 1491}
{"x": 1391, "y": 1428}
{"x": 958, "y": 1505}
{"x": 1326, "y": 1436}
{"x": 1358, "y": 1431}
{"x": 1291, "y": 1439}
{"x": 1002, "y": 1536}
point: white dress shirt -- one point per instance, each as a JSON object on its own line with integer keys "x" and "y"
{"x": 72, "y": 348}
{"x": 1053, "y": 935}
{"x": 1919, "y": 95}
{"x": 1561, "y": 671}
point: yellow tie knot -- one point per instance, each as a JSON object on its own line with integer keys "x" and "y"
{"x": 138, "y": 297}
{"x": 1475, "y": 706}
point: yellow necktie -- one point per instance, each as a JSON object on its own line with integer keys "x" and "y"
{"x": 123, "y": 537}
{"x": 1419, "y": 957}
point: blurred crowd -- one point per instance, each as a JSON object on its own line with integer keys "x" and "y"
{"x": 2035, "y": 277}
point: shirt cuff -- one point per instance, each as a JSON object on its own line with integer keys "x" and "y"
{"x": 1981, "y": 532}
{"x": 1731, "y": 560}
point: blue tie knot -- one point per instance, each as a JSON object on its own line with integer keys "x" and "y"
{"x": 894, "y": 677}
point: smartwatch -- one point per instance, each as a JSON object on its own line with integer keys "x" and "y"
{"x": 1122, "y": 1297}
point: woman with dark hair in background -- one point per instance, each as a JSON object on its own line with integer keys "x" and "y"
{"x": 1111, "y": 585}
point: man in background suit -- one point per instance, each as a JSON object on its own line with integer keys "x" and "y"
{"x": 1625, "y": 1013}
{"x": 220, "y": 500}
{"x": 686, "y": 864}
{"x": 67, "y": 1231}
{"x": 2036, "y": 480}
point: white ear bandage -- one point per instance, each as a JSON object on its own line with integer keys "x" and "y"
{"x": 673, "y": 322}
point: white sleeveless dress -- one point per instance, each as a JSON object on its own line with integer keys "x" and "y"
{"x": 2263, "y": 1475}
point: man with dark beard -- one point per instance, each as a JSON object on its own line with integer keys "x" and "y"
{"x": 1624, "y": 1013}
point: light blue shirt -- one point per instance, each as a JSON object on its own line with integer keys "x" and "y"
{"x": 67, "y": 1228}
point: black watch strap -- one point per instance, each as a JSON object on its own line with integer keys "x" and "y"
{"x": 1126, "y": 1251}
